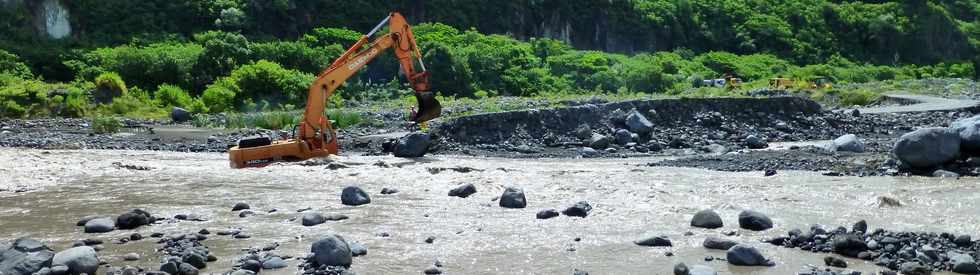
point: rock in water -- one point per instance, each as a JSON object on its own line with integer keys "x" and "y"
{"x": 413, "y": 145}
{"x": 681, "y": 269}
{"x": 860, "y": 226}
{"x": 100, "y": 225}
{"x": 24, "y": 257}
{"x": 707, "y": 219}
{"x": 963, "y": 241}
{"x": 179, "y": 115}
{"x": 713, "y": 242}
{"x": 588, "y": 152}
{"x": 274, "y": 263}
{"x": 389, "y": 191}
{"x": 654, "y": 241}
{"x": 755, "y": 142}
{"x": 240, "y": 206}
{"x": 170, "y": 268}
{"x": 134, "y": 219}
{"x": 187, "y": 269}
{"x": 743, "y": 255}
{"x": 623, "y": 137}
{"x": 358, "y": 250}
{"x": 131, "y": 257}
{"x": 849, "y": 245}
{"x": 513, "y": 197}
{"x": 313, "y": 218}
{"x": 354, "y": 196}
{"x": 85, "y": 219}
{"x": 332, "y": 250}
{"x": 599, "y": 142}
{"x": 638, "y": 123}
{"x": 79, "y": 260}
{"x": 849, "y": 143}
{"x": 580, "y": 209}
{"x": 753, "y": 220}
{"x": 547, "y": 214}
{"x": 463, "y": 191}
{"x": 927, "y": 148}
{"x": 964, "y": 264}
{"x": 914, "y": 268}
{"x": 968, "y": 130}
{"x": 834, "y": 261}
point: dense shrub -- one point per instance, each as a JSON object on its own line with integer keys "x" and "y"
{"x": 296, "y": 55}
{"x": 263, "y": 82}
{"x": 169, "y": 95}
{"x": 12, "y": 65}
{"x": 144, "y": 67}
{"x": 109, "y": 85}
{"x": 106, "y": 125}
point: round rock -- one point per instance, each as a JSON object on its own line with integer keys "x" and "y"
{"x": 354, "y": 196}
{"x": 753, "y": 220}
{"x": 100, "y": 225}
{"x": 79, "y": 260}
{"x": 743, "y": 255}
{"x": 513, "y": 197}
{"x": 707, "y": 219}
{"x": 331, "y": 250}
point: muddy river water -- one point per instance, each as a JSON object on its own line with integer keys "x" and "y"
{"x": 472, "y": 235}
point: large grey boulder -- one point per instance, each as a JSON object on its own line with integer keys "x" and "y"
{"x": 332, "y": 250}
{"x": 707, "y": 219}
{"x": 969, "y": 131}
{"x": 313, "y": 218}
{"x": 179, "y": 115}
{"x": 79, "y": 260}
{"x": 623, "y": 137}
{"x": 513, "y": 197}
{"x": 637, "y": 123}
{"x": 24, "y": 257}
{"x": 849, "y": 143}
{"x": 599, "y": 141}
{"x": 354, "y": 196}
{"x": 100, "y": 225}
{"x": 134, "y": 219}
{"x": 744, "y": 255}
{"x": 927, "y": 148}
{"x": 964, "y": 264}
{"x": 413, "y": 145}
{"x": 753, "y": 220}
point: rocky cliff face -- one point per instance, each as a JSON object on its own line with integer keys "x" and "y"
{"x": 50, "y": 18}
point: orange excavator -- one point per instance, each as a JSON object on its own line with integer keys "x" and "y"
{"x": 316, "y": 136}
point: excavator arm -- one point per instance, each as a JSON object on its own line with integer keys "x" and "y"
{"x": 316, "y": 136}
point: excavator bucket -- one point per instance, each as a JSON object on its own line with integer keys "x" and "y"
{"x": 429, "y": 107}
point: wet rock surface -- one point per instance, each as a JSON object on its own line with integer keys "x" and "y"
{"x": 908, "y": 252}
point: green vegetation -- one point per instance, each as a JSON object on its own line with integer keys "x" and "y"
{"x": 139, "y": 58}
{"x": 106, "y": 125}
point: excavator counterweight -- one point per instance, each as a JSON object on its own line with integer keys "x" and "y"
{"x": 316, "y": 136}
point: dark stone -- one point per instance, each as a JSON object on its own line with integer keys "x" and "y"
{"x": 638, "y": 123}
{"x": 187, "y": 269}
{"x": 770, "y": 173}
{"x": 753, "y": 220}
{"x": 134, "y": 219}
{"x": 197, "y": 260}
{"x": 178, "y": 115}
{"x": 332, "y": 250}
{"x": 755, "y": 142}
{"x": 707, "y": 219}
{"x": 713, "y": 242}
{"x": 100, "y": 225}
{"x": 580, "y": 209}
{"x": 681, "y": 269}
{"x": 354, "y": 196}
{"x": 24, "y": 257}
{"x": 252, "y": 265}
{"x": 743, "y": 255}
{"x": 927, "y": 148}
{"x": 335, "y": 217}
{"x": 849, "y": 245}
{"x": 834, "y": 261}
{"x": 413, "y": 145}
{"x": 463, "y": 191}
{"x": 388, "y": 191}
{"x": 964, "y": 264}
{"x": 654, "y": 241}
{"x": 914, "y": 268}
{"x": 79, "y": 260}
{"x": 135, "y": 237}
{"x": 240, "y": 206}
{"x": 274, "y": 263}
{"x": 85, "y": 219}
{"x": 313, "y": 218}
{"x": 513, "y": 197}
{"x": 432, "y": 270}
{"x": 547, "y": 214}
{"x": 170, "y": 268}
{"x": 860, "y": 226}
{"x": 963, "y": 241}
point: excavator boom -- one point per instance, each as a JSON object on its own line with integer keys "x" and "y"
{"x": 316, "y": 136}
